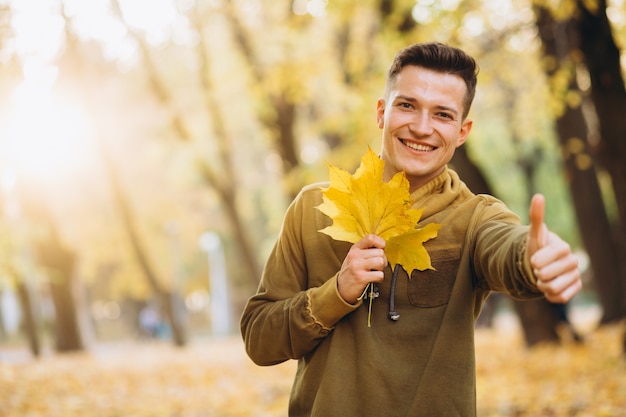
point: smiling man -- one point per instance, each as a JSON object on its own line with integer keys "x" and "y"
{"x": 308, "y": 304}
{"x": 423, "y": 118}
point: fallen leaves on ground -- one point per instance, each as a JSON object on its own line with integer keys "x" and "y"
{"x": 581, "y": 380}
{"x": 206, "y": 379}
{"x": 215, "y": 378}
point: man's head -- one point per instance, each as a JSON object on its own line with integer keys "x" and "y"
{"x": 423, "y": 116}
{"x": 437, "y": 57}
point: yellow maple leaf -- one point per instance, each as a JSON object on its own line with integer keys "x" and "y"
{"x": 363, "y": 204}
{"x": 417, "y": 257}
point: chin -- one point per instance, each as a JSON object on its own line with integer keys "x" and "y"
{"x": 412, "y": 170}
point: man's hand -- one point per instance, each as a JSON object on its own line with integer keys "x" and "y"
{"x": 553, "y": 263}
{"x": 363, "y": 264}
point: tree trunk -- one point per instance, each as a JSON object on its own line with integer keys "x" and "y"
{"x": 59, "y": 262}
{"x": 469, "y": 172}
{"x": 572, "y": 131}
{"x": 539, "y": 321}
{"x": 30, "y": 321}
{"x": 608, "y": 93}
{"x": 176, "y": 321}
{"x": 278, "y": 115}
{"x": 71, "y": 54}
{"x": 66, "y": 328}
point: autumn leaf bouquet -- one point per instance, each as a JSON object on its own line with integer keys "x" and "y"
{"x": 363, "y": 204}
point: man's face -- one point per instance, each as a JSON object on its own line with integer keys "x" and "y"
{"x": 422, "y": 123}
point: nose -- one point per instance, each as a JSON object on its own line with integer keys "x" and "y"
{"x": 421, "y": 124}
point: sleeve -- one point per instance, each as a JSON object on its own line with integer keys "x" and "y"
{"x": 499, "y": 258}
{"x": 287, "y": 317}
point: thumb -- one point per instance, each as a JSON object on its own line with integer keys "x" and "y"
{"x": 537, "y": 231}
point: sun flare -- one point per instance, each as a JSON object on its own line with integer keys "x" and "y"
{"x": 46, "y": 135}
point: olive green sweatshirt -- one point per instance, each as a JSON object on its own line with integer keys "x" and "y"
{"x": 420, "y": 365}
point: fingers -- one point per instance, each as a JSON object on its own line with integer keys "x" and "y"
{"x": 556, "y": 270}
{"x": 536, "y": 214}
{"x": 554, "y": 256}
{"x": 367, "y": 258}
{"x": 363, "y": 264}
{"x": 562, "y": 288}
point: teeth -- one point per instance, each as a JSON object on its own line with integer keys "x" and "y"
{"x": 418, "y": 147}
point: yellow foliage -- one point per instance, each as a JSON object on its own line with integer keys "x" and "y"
{"x": 363, "y": 204}
{"x": 417, "y": 257}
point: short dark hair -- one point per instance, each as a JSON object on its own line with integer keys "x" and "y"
{"x": 438, "y": 57}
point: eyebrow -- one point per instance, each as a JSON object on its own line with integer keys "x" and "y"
{"x": 439, "y": 106}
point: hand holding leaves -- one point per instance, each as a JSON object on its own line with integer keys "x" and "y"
{"x": 363, "y": 204}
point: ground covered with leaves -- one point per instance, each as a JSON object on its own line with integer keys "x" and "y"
{"x": 215, "y": 378}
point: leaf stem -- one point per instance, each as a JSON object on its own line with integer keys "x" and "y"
{"x": 364, "y": 293}
{"x": 370, "y": 292}
{"x": 369, "y": 310}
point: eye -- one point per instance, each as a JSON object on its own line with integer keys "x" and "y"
{"x": 445, "y": 115}
{"x": 405, "y": 105}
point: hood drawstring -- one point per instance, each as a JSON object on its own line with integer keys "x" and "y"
{"x": 393, "y": 314}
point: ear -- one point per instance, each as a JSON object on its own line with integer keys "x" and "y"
{"x": 466, "y": 128}
{"x": 380, "y": 113}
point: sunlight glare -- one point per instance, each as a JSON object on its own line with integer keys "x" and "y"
{"x": 46, "y": 135}
{"x": 616, "y": 15}
{"x": 422, "y": 14}
{"x": 473, "y": 25}
{"x": 157, "y": 23}
{"x": 315, "y": 8}
{"x": 37, "y": 28}
{"x": 450, "y": 5}
{"x": 159, "y": 20}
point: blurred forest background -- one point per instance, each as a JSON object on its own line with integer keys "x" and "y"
{"x": 149, "y": 148}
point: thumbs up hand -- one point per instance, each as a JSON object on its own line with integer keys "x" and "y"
{"x": 553, "y": 263}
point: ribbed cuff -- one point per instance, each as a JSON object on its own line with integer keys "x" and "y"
{"x": 327, "y": 306}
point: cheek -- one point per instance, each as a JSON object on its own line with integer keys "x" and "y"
{"x": 451, "y": 136}
{"x": 396, "y": 120}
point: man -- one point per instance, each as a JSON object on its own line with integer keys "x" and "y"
{"x": 308, "y": 306}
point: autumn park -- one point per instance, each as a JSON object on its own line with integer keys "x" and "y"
{"x": 149, "y": 150}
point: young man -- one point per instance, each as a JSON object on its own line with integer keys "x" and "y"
{"x": 308, "y": 304}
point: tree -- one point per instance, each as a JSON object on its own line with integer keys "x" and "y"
{"x": 560, "y": 64}
{"x": 72, "y": 68}
{"x": 223, "y": 180}
{"x": 35, "y": 243}
{"x": 608, "y": 94}
{"x": 261, "y": 83}
{"x": 30, "y": 320}
{"x": 58, "y": 262}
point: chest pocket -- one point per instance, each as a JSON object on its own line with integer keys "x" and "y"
{"x": 430, "y": 288}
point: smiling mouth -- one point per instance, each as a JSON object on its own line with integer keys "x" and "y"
{"x": 417, "y": 146}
